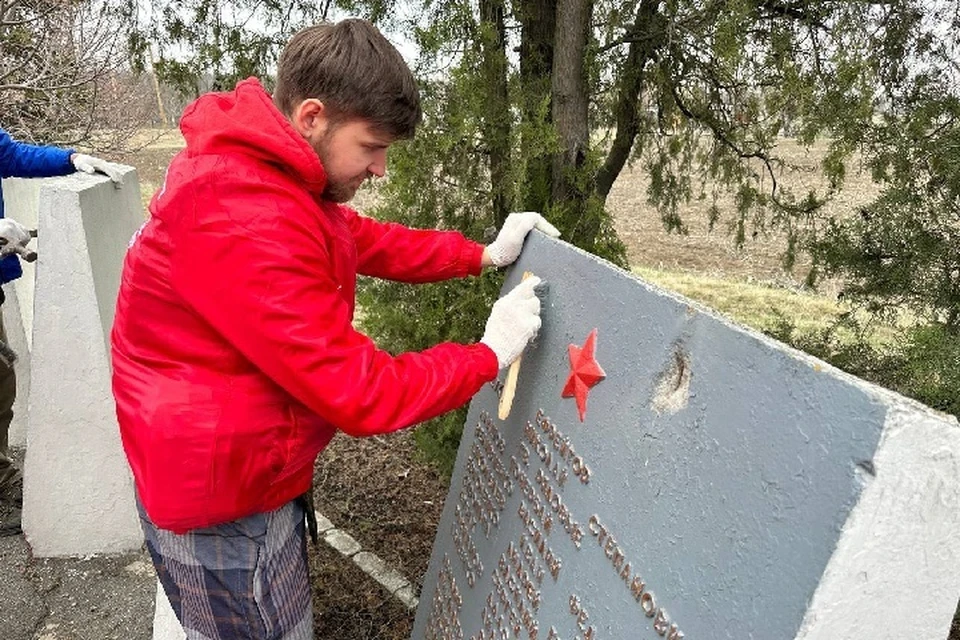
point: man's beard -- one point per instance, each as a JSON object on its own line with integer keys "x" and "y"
{"x": 336, "y": 191}
{"x": 339, "y": 192}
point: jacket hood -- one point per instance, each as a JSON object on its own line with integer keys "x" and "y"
{"x": 246, "y": 121}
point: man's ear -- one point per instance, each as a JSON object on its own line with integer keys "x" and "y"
{"x": 309, "y": 118}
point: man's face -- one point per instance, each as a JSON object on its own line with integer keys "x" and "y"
{"x": 351, "y": 152}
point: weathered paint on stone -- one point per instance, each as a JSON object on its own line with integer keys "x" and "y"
{"x": 407, "y": 596}
{"x": 342, "y": 542}
{"x": 323, "y": 523}
{"x": 371, "y": 564}
{"x": 725, "y": 471}
{"x": 165, "y": 623}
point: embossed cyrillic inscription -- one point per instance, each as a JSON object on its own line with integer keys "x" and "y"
{"x": 486, "y": 487}
{"x": 444, "y": 621}
{"x": 549, "y": 476}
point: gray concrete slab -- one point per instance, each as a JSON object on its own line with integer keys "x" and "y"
{"x": 717, "y": 484}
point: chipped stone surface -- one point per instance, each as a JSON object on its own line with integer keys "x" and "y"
{"x": 376, "y": 568}
{"x": 407, "y": 596}
{"x": 342, "y": 542}
{"x": 323, "y": 523}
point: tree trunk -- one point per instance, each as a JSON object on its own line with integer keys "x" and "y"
{"x": 570, "y": 102}
{"x": 496, "y": 121}
{"x": 646, "y": 36}
{"x": 538, "y": 20}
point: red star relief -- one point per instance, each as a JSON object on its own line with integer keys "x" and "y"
{"x": 585, "y": 372}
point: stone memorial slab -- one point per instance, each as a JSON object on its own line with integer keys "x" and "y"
{"x": 665, "y": 473}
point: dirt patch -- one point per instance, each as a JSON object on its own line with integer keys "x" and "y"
{"x": 381, "y": 492}
{"x": 384, "y": 494}
{"x": 348, "y": 604}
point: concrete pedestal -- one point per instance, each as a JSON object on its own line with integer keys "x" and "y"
{"x": 78, "y": 491}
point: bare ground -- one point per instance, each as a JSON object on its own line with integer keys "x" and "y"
{"x": 380, "y": 491}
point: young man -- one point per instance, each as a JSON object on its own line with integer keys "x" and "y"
{"x": 21, "y": 160}
{"x": 235, "y": 359}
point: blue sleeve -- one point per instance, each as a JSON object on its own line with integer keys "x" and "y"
{"x": 21, "y": 160}
{"x": 10, "y": 268}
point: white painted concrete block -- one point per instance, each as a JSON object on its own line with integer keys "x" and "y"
{"x": 391, "y": 579}
{"x": 165, "y": 623}
{"x": 323, "y": 523}
{"x": 17, "y": 340}
{"x": 20, "y": 203}
{"x": 342, "y": 542}
{"x": 893, "y": 573}
{"x": 408, "y": 597}
{"x": 78, "y": 491}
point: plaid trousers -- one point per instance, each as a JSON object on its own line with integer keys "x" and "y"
{"x": 241, "y": 580}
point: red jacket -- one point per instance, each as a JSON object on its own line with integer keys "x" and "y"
{"x": 234, "y": 355}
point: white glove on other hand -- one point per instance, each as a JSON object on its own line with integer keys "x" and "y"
{"x": 14, "y": 238}
{"x": 89, "y": 164}
{"x": 506, "y": 248}
{"x": 513, "y": 322}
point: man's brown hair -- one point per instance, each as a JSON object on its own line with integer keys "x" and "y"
{"x": 354, "y": 71}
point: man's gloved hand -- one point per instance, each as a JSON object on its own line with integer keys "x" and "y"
{"x": 513, "y": 322}
{"x": 89, "y": 164}
{"x": 14, "y": 238}
{"x": 506, "y": 248}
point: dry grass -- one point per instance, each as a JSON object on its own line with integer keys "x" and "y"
{"x": 748, "y": 285}
{"x": 756, "y": 305}
{"x": 158, "y": 139}
{"x": 713, "y": 253}
{"x": 765, "y": 306}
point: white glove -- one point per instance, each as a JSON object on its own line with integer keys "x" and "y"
{"x": 14, "y": 238}
{"x": 506, "y": 248}
{"x": 513, "y": 322}
{"x": 89, "y": 164}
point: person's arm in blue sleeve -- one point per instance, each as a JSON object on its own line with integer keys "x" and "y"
{"x": 22, "y": 160}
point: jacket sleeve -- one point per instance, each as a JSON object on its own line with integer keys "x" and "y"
{"x": 273, "y": 297}
{"x": 22, "y": 160}
{"x": 395, "y": 252}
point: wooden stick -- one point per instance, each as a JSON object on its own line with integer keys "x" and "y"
{"x": 510, "y": 384}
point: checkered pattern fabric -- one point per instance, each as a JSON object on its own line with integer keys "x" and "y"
{"x": 242, "y": 580}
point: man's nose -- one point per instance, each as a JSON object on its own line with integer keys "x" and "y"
{"x": 379, "y": 165}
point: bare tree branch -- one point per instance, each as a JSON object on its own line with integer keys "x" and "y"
{"x": 56, "y": 61}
